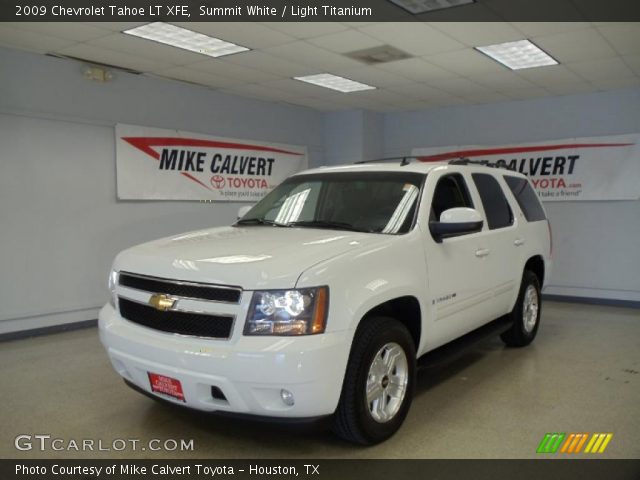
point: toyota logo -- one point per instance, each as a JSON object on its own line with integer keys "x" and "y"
{"x": 217, "y": 181}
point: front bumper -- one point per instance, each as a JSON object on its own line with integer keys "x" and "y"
{"x": 250, "y": 371}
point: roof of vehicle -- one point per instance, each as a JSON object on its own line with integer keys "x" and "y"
{"x": 415, "y": 167}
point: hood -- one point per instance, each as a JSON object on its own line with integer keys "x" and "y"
{"x": 252, "y": 257}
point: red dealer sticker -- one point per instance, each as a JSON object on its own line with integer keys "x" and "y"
{"x": 166, "y": 385}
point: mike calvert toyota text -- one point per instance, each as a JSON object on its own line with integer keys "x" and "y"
{"x": 325, "y": 297}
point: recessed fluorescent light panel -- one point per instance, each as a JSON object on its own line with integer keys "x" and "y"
{"x": 518, "y": 55}
{"x": 185, "y": 39}
{"x": 422, "y": 6}
{"x": 335, "y": 82}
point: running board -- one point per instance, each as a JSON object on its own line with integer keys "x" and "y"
{"x": 457, "y": 347}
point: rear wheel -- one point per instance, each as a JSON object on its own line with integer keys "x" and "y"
{"x": 525, "y": 314}
{"x": 379, "y": 382}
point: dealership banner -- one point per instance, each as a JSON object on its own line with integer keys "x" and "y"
{"x": 593, "y": 168}
{"x": 157, "y": 164}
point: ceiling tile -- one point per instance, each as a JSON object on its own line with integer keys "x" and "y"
{"x": 615, "y": 83}
{"x": 625, "y": 37}
{"x": 307, "y": 54}
{"x": 119, "y": 59}
{"x": 373, "y": 76}
{"x": 486, "y": 97}
{"x": 416, "y": 69}
{"x": 602, "y": 69}
{"x": 298, "y": 88}
{"x": 536, "y": 29}
{"x": 76, "y": 31}
{"x": 143, "y": 48}
{"x": 258, "y": 91}
{"x": 271, "y": 64}
{"x": 306, "y": 29}
{"x": 230, "y": 70}
{"x": 248, "y": 34}
{"x": 416, "y": 90}
{"x": 115, "y": 26}
{"x": 505, "y": 80}
{"x": 549, "y": 75}
{"x": 575, "y": 46}
{"x": 196, "y": 76}
{"x": 319, "y": 104}
{"x": 572, "y": 89}
{"x": 633, "y": 62}
{"x": 346, "y": 41}
{"x": 467, "y": 62}
{"x": 31, "y": 41}
{"x": 412, "y": 37}
{"x": 476, "y": 34}
{"x": 526, "y": 93}
{"x": 459, "y": 86}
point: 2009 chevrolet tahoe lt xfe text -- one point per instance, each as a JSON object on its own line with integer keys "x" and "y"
{"x": 325, "y": 296}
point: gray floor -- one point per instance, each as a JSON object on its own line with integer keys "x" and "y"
{"x": 580, "y": 375}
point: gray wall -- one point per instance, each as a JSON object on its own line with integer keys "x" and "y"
{"x": 595, "y": 243}
{"x": 60, "y": 222}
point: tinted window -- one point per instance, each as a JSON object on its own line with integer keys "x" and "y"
{"x": 527, "y": 198}
{"x": 373, "y": 202}
{"x": 451, "y": 192}
{"x": 494, "y": 202}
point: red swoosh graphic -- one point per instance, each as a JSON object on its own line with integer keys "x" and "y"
{"x": 145, "y": 145}
{"x": 496, "y": 151}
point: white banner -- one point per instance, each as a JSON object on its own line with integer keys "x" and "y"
{"x": 159, "y": 164}
{"x": 594, "y": 168}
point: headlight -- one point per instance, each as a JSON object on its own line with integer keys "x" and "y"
{"x": 288, "y": 312}
{"x": 113, "y": 280}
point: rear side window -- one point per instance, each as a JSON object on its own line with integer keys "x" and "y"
{"x": 495, "y": 204}
{"x": 527, "y": 198}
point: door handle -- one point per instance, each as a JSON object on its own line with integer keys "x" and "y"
{"x": 482, "y": 252}
{"x": 518, "y": 242}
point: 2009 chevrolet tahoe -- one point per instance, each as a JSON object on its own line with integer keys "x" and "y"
{"x": 326, "y": 295}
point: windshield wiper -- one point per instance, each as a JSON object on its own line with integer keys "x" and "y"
{"x": 326, "y": 224}
{"x": 260, "y": 221}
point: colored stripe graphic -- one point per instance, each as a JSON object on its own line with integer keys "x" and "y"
{"x": 574, "y": 443}
{"x": 550, "y": 443}
{"x": 598, "y": 443}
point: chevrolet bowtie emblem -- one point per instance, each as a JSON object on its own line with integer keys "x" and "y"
{"x": 162, "y": 302}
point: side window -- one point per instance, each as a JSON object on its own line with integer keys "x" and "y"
{"x": 495, "y": 204}
{"x": 526, "y": 198}
{"x": 451, "y": 192}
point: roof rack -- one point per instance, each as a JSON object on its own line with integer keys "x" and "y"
{"x": 486, "y": 163}
{"x": 404, "y": 160}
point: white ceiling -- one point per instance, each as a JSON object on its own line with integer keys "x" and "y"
{"x": 445, "y": 70}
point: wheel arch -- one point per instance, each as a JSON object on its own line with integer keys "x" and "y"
{"x": 535, "y": 264}
{"x": 405, "y": 309}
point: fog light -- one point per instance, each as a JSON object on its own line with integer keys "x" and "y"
{"x": 287, "y": 397}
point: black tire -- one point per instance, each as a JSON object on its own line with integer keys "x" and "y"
{"x": 519, "y": 335}
{"x": 353, "y": 420}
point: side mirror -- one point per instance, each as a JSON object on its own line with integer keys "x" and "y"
{"x": 455, "y": 222}
{"x": 242, "y": 211}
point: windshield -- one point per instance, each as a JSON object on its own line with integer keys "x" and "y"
{"x": 375, "y": 202}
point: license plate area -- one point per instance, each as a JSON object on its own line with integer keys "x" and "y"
{"x": 166, "y": 386}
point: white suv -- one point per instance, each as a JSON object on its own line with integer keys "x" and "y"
{"x": 325, "y": 297}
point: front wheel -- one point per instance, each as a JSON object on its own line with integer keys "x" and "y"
{"x": 379, "y": 382}
{"x": 525, "y": 314}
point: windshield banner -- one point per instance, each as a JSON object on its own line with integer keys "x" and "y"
{"x": 593, "y": 168}
{"x": 157, "y": 164}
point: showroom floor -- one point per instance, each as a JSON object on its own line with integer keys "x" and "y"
{"x": 581, "y": 375}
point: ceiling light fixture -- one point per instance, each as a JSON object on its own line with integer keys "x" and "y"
{"x": 186, "y": 39}
{"x": 518, "y": 55}
{"x": 335, "y": 82}
{"x": 422, "y": 6}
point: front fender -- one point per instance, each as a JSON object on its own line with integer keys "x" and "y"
{"x": 362, "y": 279}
